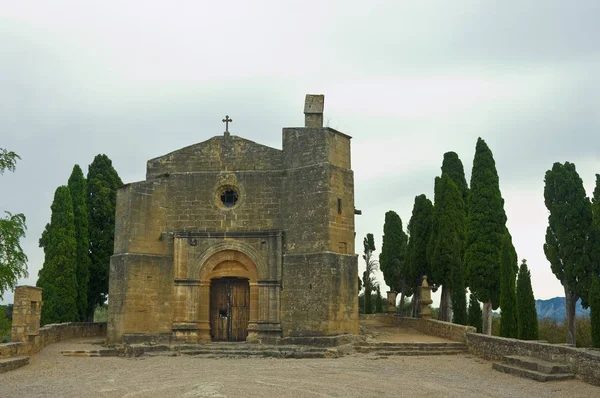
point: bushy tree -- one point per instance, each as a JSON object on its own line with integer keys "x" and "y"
{"x": 508, "y": 294}
{"x": 13, "y": 262}
{"x": 475, "y": 314}
{"x": 370, "y": 268}
{"x": 567, "y": 246}
{"x": 486, "y": 227}
{"x": 419, "y": 229}
{"x": 527, "y": 320}
{"x": 102, "y": 184}
{"x": 58, "y": 277}
{"x": 78, "y": 189}
{"x": 453, "y": 167}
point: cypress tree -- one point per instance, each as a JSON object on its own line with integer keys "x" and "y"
{"x": 568, "y": 236}
{"x": 526, "y": 313}
{"x": 392, "y": 259}
{"x": 378, "y": 301}
{"x": 453, "y": 166}
{"x": 393, "y": 247}
{"x": 447, "y": 254}
{"x": 102, "y": 184}
{"x": 508, "y": 294}
{"x": 594, "y": 301}
{"x": 78, "y": 189}
{"x": 419, "y": 229}
{"x": 486, "y": 226}
{"x": 58, "y": 277}
{"x": 475, "y": 313}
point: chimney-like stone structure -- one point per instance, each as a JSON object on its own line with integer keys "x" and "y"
{"x": 313, "y": 110}
{"x": 27, "y": 309}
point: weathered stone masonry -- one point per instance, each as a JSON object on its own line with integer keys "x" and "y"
{"x": 289, "y": 234}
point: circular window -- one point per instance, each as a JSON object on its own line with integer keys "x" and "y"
{"x": 229, "y": 197}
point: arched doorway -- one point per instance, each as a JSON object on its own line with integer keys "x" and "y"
{"x": 229, "y": 309}
{"x": 228, "y": 297}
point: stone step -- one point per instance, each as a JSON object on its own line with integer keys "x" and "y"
{"x": 417, "y": 345}
{"x": 266, "y": 353}
{"x": 12, "y": 363}
{"x": 90, "y": 353}
{"x": 530, "y": 374}
{"x": 418, "y": 349}
{"x": 540, "y": 365}
{"x": 417, "y": 353}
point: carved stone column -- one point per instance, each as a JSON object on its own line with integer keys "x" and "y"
{"x": 391, "y": 299}
{"x": 425, "y": 299}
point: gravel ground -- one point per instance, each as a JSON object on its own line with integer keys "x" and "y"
{"x": 50, "y": 374}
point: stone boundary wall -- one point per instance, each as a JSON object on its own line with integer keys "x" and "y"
{"x": 585, "y": 363}
{"x": 52, "y": 334}
{"x": 445, "y": 330}
{"x": 8, "y": 350}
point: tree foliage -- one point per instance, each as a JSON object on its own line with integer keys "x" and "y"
{"x": 102, "y": 184}
{"x": 508, "y": 295}
{"x": 58, "y": 277}
{"x": 419, "y": 229}
{"x": 453, "y": 167}
{"x": 13, "y": 262}
{"x": 447, "y": 249}
{"x": 78, "y": 189}
{"x": 392, "y": 259}
{"x": 486, "y": 226}
{"x": 475, "y": 315}
{"x": 527, "y": 320}
{"x": 370, "y": 268}
{"x": 378, "y": 301}
{"x": 568, "y": 234}
{"x": 594, "y": 301}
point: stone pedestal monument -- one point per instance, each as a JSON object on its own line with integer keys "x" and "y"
{"x": 425, "y": 301}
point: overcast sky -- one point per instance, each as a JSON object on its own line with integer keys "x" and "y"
{"x": 408, "y": 80}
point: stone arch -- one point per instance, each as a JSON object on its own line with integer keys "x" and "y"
{"x": 246, "y": 254}
{"x": 228, "y": 263}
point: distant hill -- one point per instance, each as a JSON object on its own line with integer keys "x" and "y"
{"x": 555, "y": 309}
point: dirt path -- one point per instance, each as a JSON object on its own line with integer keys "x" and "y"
{"x": 50, "y": 374}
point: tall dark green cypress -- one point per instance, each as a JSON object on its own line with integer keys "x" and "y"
{"x": 78, "y": 189}
{"x": 453, "y": 166}
{"x": 486, "y": 226}
{"x": 58, "y": 277}
{"x": 475, "y": 313}
{"x": 419, "y": 229}
{"x": 568, "y": 236}
{"x": 393, "y": 247}
{"x": 508, "y": 295}
{"x": 527, "y": 320}
{"x": 447, "y": 253}
{"x": 102, "y": 184}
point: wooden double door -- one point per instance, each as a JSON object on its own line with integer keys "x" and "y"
{"x": 229, "y": 309}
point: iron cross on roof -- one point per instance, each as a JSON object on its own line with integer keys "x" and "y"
{"x": 226, "y": 121}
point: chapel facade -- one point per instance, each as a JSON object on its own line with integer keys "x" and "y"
{"x": 230, "y": 240}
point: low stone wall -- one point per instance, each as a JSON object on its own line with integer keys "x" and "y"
{"x": 8, "y": 350}
{"x": 585, "y": 363}
{"x": 445, "y": 330}
{"x": 52, "y": 334}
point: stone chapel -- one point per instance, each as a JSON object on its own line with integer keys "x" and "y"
{"x": 230, "y": 240}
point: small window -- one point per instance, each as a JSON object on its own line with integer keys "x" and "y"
{"x": 339, "y": 206}
{"x": 229, "y": 198}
